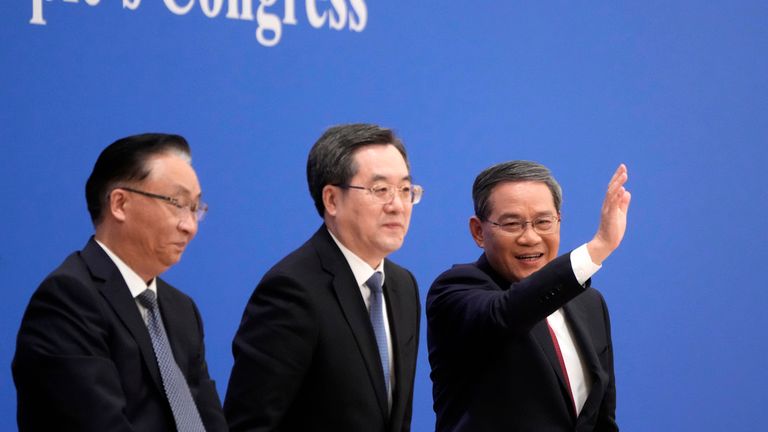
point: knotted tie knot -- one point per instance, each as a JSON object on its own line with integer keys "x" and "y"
{"x": 148, "y": 299}
{"x": 374, "y": 282}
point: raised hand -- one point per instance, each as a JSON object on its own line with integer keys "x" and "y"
{"x": 613, "y": 218}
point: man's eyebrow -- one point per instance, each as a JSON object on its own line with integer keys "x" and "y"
{"x": 379, "y": 177}
{"x": 513, "y": 215}
{"x": 179, "y": 189}
{"x": 509, "y": 216}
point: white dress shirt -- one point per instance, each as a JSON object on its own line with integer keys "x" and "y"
{"x": 135, "y": 284}
{"x": 581, "y": 382}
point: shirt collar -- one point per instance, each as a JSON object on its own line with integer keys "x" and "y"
{"x": 135, "y": 284}
{"x": 360, "y": 269}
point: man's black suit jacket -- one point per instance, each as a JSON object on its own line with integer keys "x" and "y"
{"x": 494, "y": 366}
{"x": 305, "y": 353}
{"x": 84, "y": 359}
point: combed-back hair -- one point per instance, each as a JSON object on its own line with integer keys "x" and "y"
{"x": 125, "y": 160}
{"x": 331, "y": 159}
{"x": 512, "y": 171}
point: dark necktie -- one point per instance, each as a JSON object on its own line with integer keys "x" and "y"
{"x": 176, "y": 389}
{"x": 377, "y": 321}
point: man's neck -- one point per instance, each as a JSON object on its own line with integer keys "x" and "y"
{"x": 117, "y": 247}
{"x": 374, "y": 262}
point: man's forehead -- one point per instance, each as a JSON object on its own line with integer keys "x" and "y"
{"x": 175, "y": 174}
{"x": 514, "y": 196}
{"x": 387, "y": 167}
{"x": 524, "y": 186}
{"x": 383, "y": 178}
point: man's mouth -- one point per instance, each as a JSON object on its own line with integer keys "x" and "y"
{"x": 529, "y": 257}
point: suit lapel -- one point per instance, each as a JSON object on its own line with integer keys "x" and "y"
{"x": 114, "y": 289}
{"x": 578, "y": 317}
{"x": 395, "y": 308}
{"x": 353, "y": 307}
{"x": 175, "y": 322}
{"x": 541, "y": 334}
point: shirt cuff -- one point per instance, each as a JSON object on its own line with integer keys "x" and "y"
{"x": 582, "y": 265}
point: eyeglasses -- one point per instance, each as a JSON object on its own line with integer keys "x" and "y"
{"x": 197, "y": 208}
{"x": 384, "y": 193}
{"x": 541, "y": 225}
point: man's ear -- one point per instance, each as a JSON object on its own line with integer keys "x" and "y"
{"x": 117, "y": 201}
{"x": 330, "y": 199}
{"x": 476, "y": 229}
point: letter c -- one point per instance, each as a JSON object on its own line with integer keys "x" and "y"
{"x": 315, "y": 19}
{"x": 179, "y": 10}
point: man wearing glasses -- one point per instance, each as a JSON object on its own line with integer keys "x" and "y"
{"x": 105, "y": 344}
{"x": 329, "y": 337}
{"x": 518, "y": 341}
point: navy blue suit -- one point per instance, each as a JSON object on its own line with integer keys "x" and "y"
{"x": 84, "y": 359}
{"x": 494, "y": 367}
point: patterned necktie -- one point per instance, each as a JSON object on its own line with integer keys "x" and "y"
{"x": 377, "y": 321}
{"x": 176, "y": 389}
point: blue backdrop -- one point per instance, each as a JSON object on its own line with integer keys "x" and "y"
{"x": 676, "y": 90}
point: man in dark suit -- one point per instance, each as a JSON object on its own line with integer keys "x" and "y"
{"x": 93, "y": 350}
{"x": 320, "y": 346}
{"x": 519, "y": 341}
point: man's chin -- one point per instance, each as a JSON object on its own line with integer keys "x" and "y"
{"x": 172, "y": 260}
{"x": 391, "y": 245}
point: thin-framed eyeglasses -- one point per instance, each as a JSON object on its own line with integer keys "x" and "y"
{"x": 542, "y": 225}
{"x": 384, "y": 193}
{"x": 197, "y": 208}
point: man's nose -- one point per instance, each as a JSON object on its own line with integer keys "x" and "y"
{"x": 188, "y": 223}
{"x": 528, "y": 236}
{"x": 396, "y": 204}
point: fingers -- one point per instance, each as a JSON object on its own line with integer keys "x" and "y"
{"x": 613, "y": 218}
{"x": 621, "y": 169}
{"x": 616, "y": 192}
{"x": 626, "y": 197}
{"x": 620, "y": 177}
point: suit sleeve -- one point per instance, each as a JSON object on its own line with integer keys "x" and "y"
{"x": 64, "y": 376}
{"x": 206, "y": 396}
{"x": 272, "y": 352}
{"x": 470, "y": 302}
